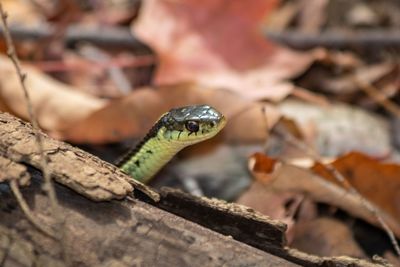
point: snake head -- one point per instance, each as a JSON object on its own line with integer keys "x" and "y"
{"x": 192, "y": 124}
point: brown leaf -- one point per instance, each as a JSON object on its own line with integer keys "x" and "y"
{"x": 378, "y": 182}
{"x": 56, "y": 105}
{"x": 325, "y": 237}
{"x": 270, "y": 203}
{"x": 133, "y": 116}
{"x": 285, "y": 177}
{"x": 219, "y": 44}
{"x": 346, "y": 83}
{"x": 339, "y": 128}
{"x": 22, "y": 12}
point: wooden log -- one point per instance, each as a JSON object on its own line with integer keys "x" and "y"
{"x": 241, "y": 222}
{"x": 116, "y": 233}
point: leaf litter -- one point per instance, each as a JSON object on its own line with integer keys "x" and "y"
{"x": 214, "y": 52}
{"x": 56, "y": 104}
{"x": 200, "y": 43}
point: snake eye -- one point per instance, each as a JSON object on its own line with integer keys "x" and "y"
{"x": 192, "y": 126}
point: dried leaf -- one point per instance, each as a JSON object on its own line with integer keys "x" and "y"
{"x": 56, "y": 105}
{"x": 378, "y": 182}
{"x": 325, "y": 237}
{"x": 285, "y": 177}
{"x": 271, "y": 203}
{"x": 133, "y": 116}
{"x": 219, "y": 44}
{"x": 339, "y": 128}
{"x": 346, "y": 83}
{"x": 22, "y": 12}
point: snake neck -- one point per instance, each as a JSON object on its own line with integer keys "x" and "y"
{"x": 150, "y": 156}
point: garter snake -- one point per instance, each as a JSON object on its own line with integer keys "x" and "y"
{"x": 176, "y": 129}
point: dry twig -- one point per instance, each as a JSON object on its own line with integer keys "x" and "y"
{"x": 122, "y": 37}
{"x": 336, "y": 39}
{"x": 378, "y": 97}
{"x": 25, "y": 208}
{"x": 48, "y": 185}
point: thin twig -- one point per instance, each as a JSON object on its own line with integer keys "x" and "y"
{"x": 336, "y": 39}
{"x": 25, "y": 208}
{"x": 6, "y": 251}
{"x": 110, "y": 37}
{"x": 341, "y": 179}
{"x": 48, "y": 185}
{"x": 57, "y": 65}
{"x": 378, "y": 97}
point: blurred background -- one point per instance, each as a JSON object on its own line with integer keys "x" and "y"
{"x": 302, "y": 83}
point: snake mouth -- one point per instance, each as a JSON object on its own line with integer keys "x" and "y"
{"x": 215, "y": 128}
{"x": 221, "y": 124}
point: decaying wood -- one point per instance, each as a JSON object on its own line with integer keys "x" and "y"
{"x": 245, "y": 224}
{"x": 305, "y": 259}
{"x": 122, "y": 232}
{"x": 85, "y": 174}
{"x": 118, "y": 233}
{"x": 12, "y": 170}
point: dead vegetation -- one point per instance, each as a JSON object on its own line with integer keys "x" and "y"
{"x": 312, "y": 138}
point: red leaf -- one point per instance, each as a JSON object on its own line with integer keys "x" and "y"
{"x": 219, "y": 43}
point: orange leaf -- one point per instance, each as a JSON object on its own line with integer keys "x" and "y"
{"x": 290, "y": 178}
{"x": 376, "y": 181}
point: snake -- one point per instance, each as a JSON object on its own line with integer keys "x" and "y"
{"x": 173, "y": 131}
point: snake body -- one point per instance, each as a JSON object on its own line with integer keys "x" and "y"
{"x": 175, "y": 130}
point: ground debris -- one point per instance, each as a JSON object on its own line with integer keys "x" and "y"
{"x": 120, "y": 233}
{"x": 12, "y": 170}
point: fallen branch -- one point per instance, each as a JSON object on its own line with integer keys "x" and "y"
{"x": 107, "y": 36}
{"x": 338, "y": 40}
{"x": 122, "y": 37}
